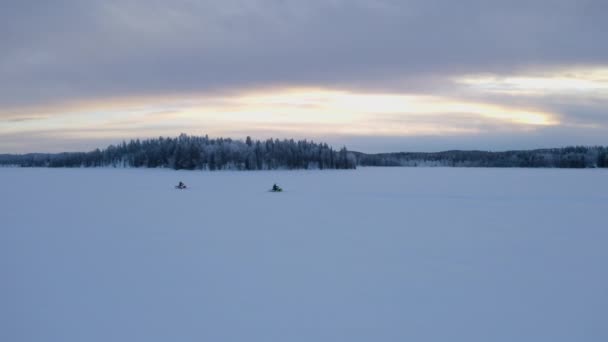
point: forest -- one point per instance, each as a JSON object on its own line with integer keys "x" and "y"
{"x": 204, "y": 153}
{"x": 566, "y": 157}
{"x": 197, "y": 152}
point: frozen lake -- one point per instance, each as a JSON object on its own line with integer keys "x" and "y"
{"x": 374, "y": 254}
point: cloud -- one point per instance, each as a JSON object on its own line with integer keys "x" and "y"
{"x": 71, "y": 64}
{"x": 586, "y": 82}
{"x": 73, "y": 49}
{"x": 291, "y": 112}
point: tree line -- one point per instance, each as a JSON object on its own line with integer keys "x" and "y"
{"x": 198, "y": 152}
{"x": 204, "y": 153}
{"x": 567, "y": 157}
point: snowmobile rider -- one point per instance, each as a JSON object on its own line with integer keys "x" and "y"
{"x": 181, "y": 185}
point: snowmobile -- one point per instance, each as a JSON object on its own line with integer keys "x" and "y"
{"x": 276, "y": 188}
{"x": 181, "y": 186}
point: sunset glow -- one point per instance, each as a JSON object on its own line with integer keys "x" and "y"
{"x": 572, "y": 82}
{"x": 281, "y": 112}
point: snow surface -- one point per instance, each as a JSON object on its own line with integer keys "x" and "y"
{"x": 375, "y": 254}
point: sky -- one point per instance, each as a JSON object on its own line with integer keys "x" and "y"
{"x": 376, "y": 76}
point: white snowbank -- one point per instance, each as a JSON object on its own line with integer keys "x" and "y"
{"x": 376, "y": 254}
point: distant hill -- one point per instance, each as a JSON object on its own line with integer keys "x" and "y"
{"x": 567, "y": 157}
{"x": 204, "y": 153}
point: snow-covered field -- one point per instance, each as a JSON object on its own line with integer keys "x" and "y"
{"x": 376, "y": 254}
